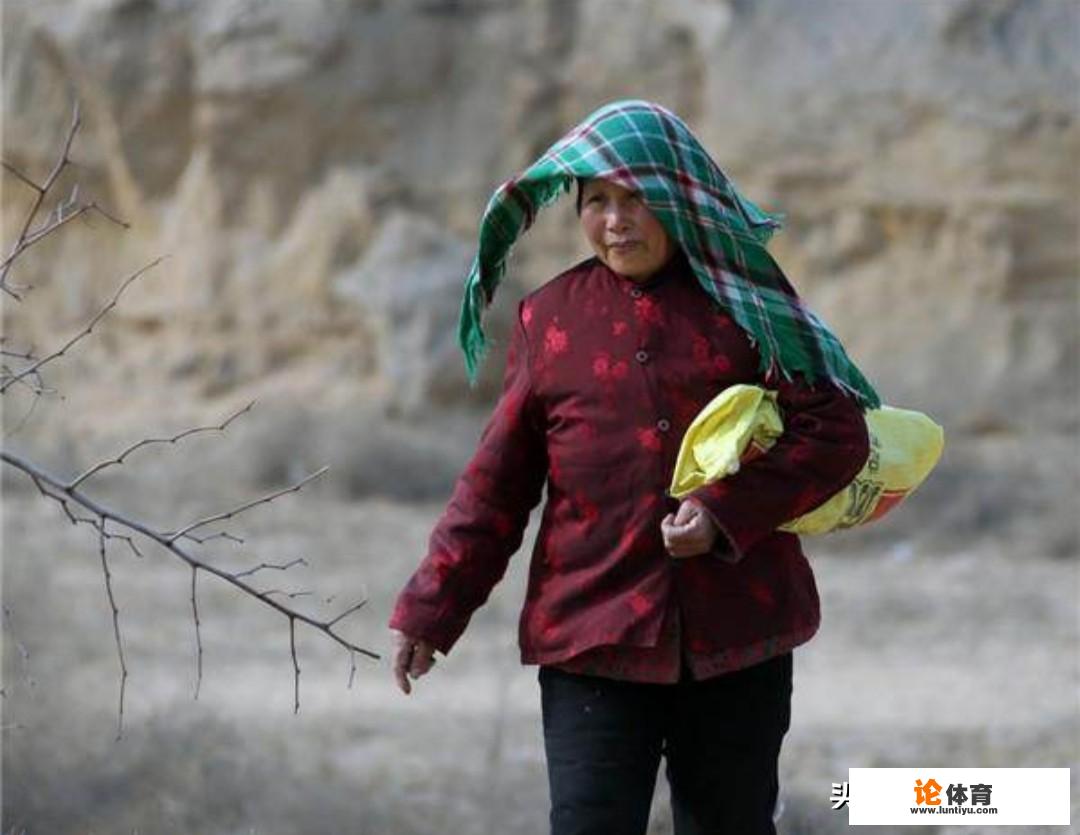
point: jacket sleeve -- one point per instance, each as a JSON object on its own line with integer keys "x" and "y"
{"x": 822, "y": 448}
{"x": 486, "y": 517}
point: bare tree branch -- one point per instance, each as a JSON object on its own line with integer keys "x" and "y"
{"x": 169, "y": 542}
{"x": 202, "y": 540}
{"x": 86, "y": 520}
{"x": 127, "y": 539}
{"x": 279, "y": 566}
{"x": 37, "y": 388}
{"x": 27, "y": 355}
{"x": 296, "y": 666}
{"x": 198, "y": 633}
{"x": 85, "y": 331}
{"x": 348, "y": 612}
{"x": 12, "y": 169}
{"x": 24, "y": 653}
{"x": 18, "y": 247}
{"x": 116, "y": 627}
{"x": 26, "y": 417}
{"x": 218, "y": 517}
{"x": 52, "y": 225}
{"x": 69, "y": 495}
{"x": 73, "y": 209}
{"x": 97, "y": 468}
{"x": 288, "y": 594}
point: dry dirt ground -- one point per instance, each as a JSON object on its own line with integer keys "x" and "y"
{"x": 924, "y": 658}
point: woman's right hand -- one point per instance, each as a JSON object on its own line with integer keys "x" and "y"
{"x": 413, "y": 657}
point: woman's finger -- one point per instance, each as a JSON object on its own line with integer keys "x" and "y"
{"x": 402, "y": 661}
{"x": 688, "y": 544}
{"x": 423, "y": 659}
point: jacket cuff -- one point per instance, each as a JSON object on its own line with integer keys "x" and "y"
{"x": 725, "y": 548}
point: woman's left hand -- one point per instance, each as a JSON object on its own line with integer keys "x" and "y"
{"x": 690, "y": 531}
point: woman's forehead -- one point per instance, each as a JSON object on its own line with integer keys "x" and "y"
{"x": 608, "y": 186}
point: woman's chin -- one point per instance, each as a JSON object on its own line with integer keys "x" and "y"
{"x": 626, "y": 267}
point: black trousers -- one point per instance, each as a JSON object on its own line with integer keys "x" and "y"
{"x": 720, "y": 737}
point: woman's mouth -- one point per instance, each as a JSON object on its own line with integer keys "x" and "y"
{"x": 623, "y": 246}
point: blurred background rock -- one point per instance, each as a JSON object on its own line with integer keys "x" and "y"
{"x": 316, "y": 170}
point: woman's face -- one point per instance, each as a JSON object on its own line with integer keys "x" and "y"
{"x": 622, "y": 231}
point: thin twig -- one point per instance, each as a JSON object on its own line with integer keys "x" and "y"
{"x": 296, "y": 666}
{"x": 20, "y": 175}
{"x": 119, "y": 459}
{"x": 86, "y": 520}
{"x": 130, "y": 543}
{"x": 219, "y": 517}
{"x": 198, "y": 635}
{"x": 51, "y": 226}
{"x": 17, "y": 428}
{"x": 48, "y": 228}
{"x": 348, "y": 612}
{"x": 37, "y": 388}
{"x": 18, "y": 355}
{"x": 116, "y": 628}
{"x": 109, "y": 215}
{"x": 289, "y": 594}
{"x": 42, "y": 190}
{"x": 24, "y": 653}
{"x": 202, "y": 540}
{"x": 85, "y": 331}
{"x": 285, "y": 566}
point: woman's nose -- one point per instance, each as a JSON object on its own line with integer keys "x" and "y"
{"x": 618, "y": 218}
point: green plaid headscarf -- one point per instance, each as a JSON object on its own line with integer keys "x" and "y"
{"x": 646, "y": 148}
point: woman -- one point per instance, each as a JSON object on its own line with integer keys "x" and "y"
{"x": 660, "y": 628}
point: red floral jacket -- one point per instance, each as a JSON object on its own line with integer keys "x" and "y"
{"x": 603, "y": 376}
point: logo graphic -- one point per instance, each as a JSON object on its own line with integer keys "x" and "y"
{"x": 927, "y": 795}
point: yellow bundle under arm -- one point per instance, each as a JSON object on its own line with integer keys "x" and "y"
{"x": 743, "y": 422}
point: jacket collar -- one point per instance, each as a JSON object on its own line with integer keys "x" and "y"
{"x": 676, "y": 266}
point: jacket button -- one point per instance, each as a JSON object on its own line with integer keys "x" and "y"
{"x": 663, "y": 424}
{"x": 642, "y": 357}
{"x": 636, "y": 293}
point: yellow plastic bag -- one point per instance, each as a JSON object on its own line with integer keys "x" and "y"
{"x": 743, "y": 422}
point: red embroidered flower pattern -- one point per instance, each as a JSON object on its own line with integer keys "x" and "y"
{"x": 555, "y": 340}
{"x": 607, "y": 370}
{"x": 639, "y": 603}
{"x": 648, "y": 311}
{"x": 650, "y": 439}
